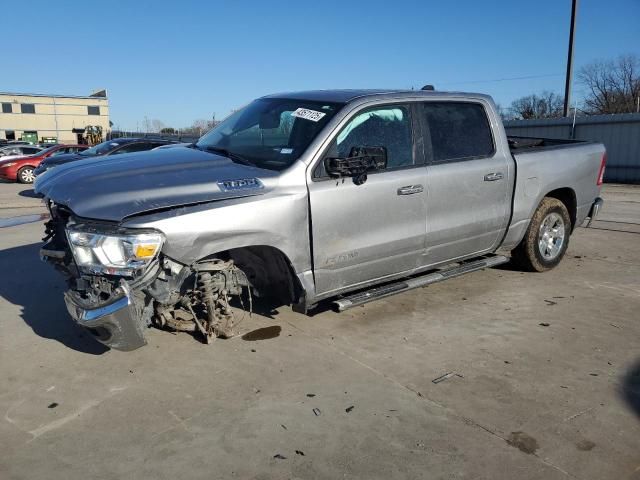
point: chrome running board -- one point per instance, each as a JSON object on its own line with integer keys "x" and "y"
{"x": 376, "y": 293}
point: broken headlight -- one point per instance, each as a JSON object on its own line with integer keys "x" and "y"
{"x": 123, "y": 252}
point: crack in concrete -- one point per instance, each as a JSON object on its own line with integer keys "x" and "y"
{"x": 41, "y": 430}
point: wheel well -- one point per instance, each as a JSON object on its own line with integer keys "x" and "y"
{"x": 268, "y": 270}
{"x": 568, "y": 197}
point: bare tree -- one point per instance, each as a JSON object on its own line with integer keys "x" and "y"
{"x": 199, "y": 127}
{"x": 613, "y": 86}
{"x": 157, "y": 125}
{"x": 545, "y": 105}
{"x": 504, "y": 113}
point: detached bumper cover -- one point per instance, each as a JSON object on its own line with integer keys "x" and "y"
{"x": 595, "y": 209}
{"x": 116, "y": 324}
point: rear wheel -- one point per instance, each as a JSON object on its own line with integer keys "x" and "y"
{"x": 547, "y": 238}
{"x": 25, "y": 175}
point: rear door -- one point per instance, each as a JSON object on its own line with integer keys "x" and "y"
{"x": 468, "y": 181}
{"x": 369, "y": 231}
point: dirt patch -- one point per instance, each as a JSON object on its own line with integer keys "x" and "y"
{"x": 523, "y": 442}
{"x": 585, "y": 445}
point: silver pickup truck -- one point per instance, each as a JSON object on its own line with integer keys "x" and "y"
{"x": 349, "y": 195}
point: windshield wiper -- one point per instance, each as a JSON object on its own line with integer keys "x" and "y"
{"x": 223, "y": 151}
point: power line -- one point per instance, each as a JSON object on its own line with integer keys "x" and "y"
{"x": 506, "y": 79}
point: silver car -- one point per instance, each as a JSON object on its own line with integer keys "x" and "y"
{"x": 350, "y": 195}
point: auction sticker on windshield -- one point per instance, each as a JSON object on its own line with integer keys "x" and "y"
{"x": 308, "y": 114}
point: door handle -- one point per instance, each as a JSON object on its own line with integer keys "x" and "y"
{"x": 410, "y": 189}
{"x": 492, "y": 177}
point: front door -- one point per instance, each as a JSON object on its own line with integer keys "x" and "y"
{"x": 469, "y": 181}
{"x": 369, "y": 231}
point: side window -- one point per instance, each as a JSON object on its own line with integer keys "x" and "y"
{"x": 7, "y": 108}
{"x": 388, "y": 126}
{"x": 30, "y": 150}
{"x": 132, "y": 147}
{"x": 458, "y": 130}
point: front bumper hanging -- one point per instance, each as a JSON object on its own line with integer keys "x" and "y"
{"x": 116, "y": 324}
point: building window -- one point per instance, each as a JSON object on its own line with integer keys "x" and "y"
{"x": 27, "y": 108}
{"x": 93, "y": 110}
{"x": 10, "y": 135}
{"x": 6, "y": 108}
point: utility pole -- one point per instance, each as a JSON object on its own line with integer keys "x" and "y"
{"x": 567, "y": 83}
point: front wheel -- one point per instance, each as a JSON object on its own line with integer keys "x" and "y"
{"x": 546, "y": 239}
{"x": 26, "y": 175}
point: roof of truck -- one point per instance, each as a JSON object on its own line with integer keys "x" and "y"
{"x": 345, "y": 96}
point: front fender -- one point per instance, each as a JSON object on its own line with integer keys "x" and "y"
{"x": 274, "y": 220}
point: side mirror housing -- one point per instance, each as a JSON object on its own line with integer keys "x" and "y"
{"x": 360, "y": 161}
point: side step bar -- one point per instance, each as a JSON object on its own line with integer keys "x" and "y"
{"x": 375, "y": 293}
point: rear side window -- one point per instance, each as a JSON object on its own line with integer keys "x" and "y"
{"x": 6, "y": 108}
{"x": 458, "y": 131}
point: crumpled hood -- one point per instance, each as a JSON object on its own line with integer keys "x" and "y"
{"x": 119, "y": 186}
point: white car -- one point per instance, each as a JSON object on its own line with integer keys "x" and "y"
{"x": 14, "y": 151}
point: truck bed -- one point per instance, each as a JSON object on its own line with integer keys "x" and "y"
{"x": 526, "y": 144}
{"x": 546, "y": 165}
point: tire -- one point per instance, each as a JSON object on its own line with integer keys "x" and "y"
{"x": 546, "y": 239}
{"x": 25, "y": 175}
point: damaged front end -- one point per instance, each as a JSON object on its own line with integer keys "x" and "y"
{"x": 120, "y": 283}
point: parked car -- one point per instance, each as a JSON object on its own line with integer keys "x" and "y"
{"x": 173, "y": 145}
{"x": 11, "y": 151}
{"x": 21, "y": 168}
{"x": 310, "y": 196}
{"x": 110, "y": 147}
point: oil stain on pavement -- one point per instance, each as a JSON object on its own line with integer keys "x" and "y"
{"x": 523, "y": 442}
{"x": 262, "y": 333}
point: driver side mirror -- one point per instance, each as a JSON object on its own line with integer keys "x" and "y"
{"x": 360, "y": 161}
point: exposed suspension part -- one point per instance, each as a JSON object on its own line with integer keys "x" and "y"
{"x": 205, "y": 307}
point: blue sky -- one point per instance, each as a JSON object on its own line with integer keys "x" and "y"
{"x": 180, "y": 61}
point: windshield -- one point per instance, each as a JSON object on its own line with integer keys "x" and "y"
{"x": 270, "y": 132}
{"x": 101, "y": 148}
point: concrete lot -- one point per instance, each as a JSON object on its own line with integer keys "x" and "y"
{"x": 529, "y": 401}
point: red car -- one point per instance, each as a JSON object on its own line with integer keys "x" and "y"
{"x": 21, "y": 169}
